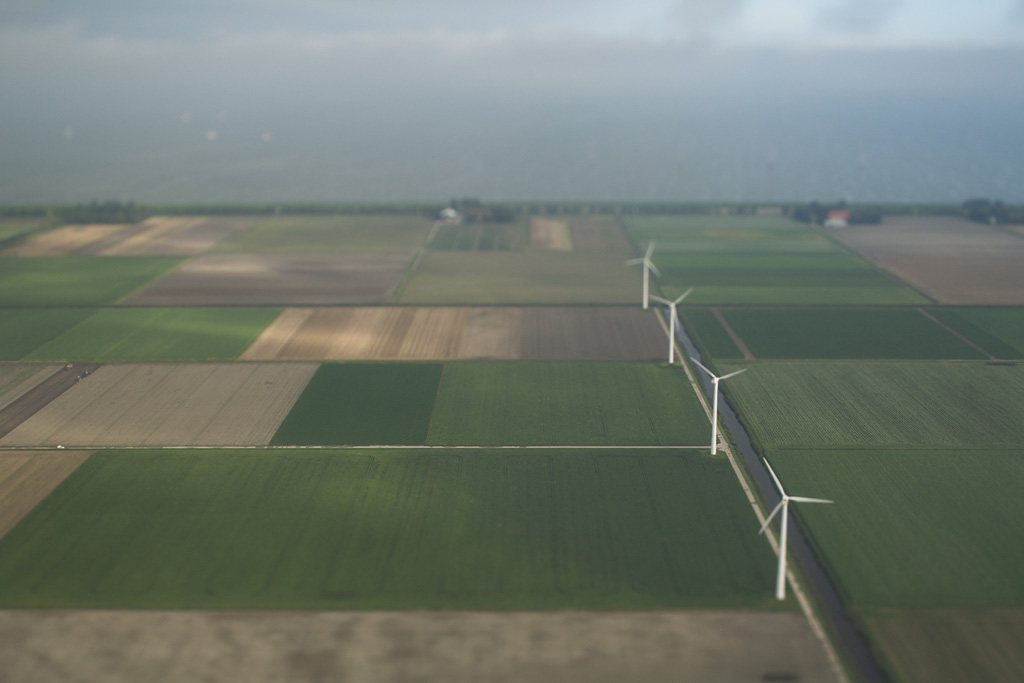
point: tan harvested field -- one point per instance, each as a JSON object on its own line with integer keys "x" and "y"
{"x": 384, "y": 647}
{"x": 168, "y": 404}
{"x": 952, "y": 260}
{"x": 447, "y": 332}
{"x": 165, "y": 235}
{"x": 548, "y": 233}
{"x": 69, "y": 240}
{"x": 940, "y": 646}
{"x": 26, "y": 477}
{"x": 17, "y": 379}
{"x": 276, "y": 279}
{"x": 599, "y": 233}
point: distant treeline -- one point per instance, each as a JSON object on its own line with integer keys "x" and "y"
{"x": 107, "y": 212}
{"x": 993, "y": 212}
{"x": 819, "y": 213}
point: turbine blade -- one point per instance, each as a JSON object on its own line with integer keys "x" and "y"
{"x": 777, "y": 482}
{"x": 650, "y": 249}
{"x": 733, "y": 374}
{"x": 697, "y": 363}
{"x": 774, "y": 512}
{"x": 654, "y": 268}
{"x": 684, "y": 295}
{"x": 634, "y": 261}
{"x": 799, "y": 499}
{"x": 658, "y": 298}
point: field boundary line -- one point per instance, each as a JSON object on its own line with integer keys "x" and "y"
{"x": 955, "y": 333}
{"x": 797, "y": 589}
{"x": 736, "y": 338}
{"x": 627, "y": 447}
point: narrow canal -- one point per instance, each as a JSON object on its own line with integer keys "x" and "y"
{"x": 854, "y": 644}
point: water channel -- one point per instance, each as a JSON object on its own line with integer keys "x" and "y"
{"x": 856, "y": 650}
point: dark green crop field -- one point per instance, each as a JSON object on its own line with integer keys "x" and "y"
{"x": 1000, "y": 331}
{"x": 159, "y": 334}
{"x": 390, "y": 530}
{"x": 77, "y": 280}
{"x": 707, "y": 332}
{"x": 363, "y": 404}
{"x": 566, "y": 403}
{"x": 24, "y": 329}
{"x": 878, "y": 333}
{"x": 915, "y": 529}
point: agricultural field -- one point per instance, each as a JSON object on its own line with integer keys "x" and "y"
{"x": 17, "y": 379}
{"x": 952, "y": 260}
{"x": 77, "y": 280}
{"x": 168, "y": 404}
{"x": 27, "y": 477}
{"x": 185, "y": 235}
{"x": 12, "y": 227}
{"x": 536, "y": 403}
{"x": 445, "y": 332}
{"x": 863, "y": 404}
{"x": 525, "y": 277}
{"x": 276, "y": 279}
{"x": 138, "y": 334}
{"x": 760, "y": 260}
{"x": 68, "y": 240}
{"x": 363, "y": 404}
{"x": 999, "y": 330}
{"x": 23, "y": 330}
{"x": 390, "y": 530}
{"x": 835, "y": 332}
{"x": 479, "y": 237}
{"x": 329, "y": 235}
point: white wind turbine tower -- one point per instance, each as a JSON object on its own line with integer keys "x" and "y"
{"x": 780, "y": 579}
{"x": 715, "y": 379}
{"x": 674, "y": 320}
{"x": 648, "y": 267}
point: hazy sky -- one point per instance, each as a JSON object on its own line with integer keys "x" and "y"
{"x": 274, "y": 70}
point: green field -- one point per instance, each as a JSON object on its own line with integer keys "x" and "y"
{"x": 565, "y": 403}
{"x": 285, "y": 529}
{"x": 916, "y": 529}
{"x": 525, "y": 277}
{"x": 363, "y": 404}
{"x": 846, "y": 332}
{"x": 24, "y": 329}
{"x": 707, "y": 332}
{"x": 10, "y": 227}
{"x": 880, "y": 404}
{"x": 1000, "y": 331}
{"x": 329, "y": 234}
{"x": 115, "y": 334}
{"x": 77, "y": 280}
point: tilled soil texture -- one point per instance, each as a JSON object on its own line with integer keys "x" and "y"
{"x": 66, "y": 241}
{"x": 26, "y": 477}
{"x": 548, "y": 233}
{"x": 276, "y": 279}
{"x": 442, "y": 333}
{"x": 599, "y": 233}
{"x": 161, "y": 647}
{"x": 165, "y": 235}
{"x": 40, "y": 395}
{"x": 16, "y": 379}
{"x": 952, "y": 260}
{"x": 168, "y": 404}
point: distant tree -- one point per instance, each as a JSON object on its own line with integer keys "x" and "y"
{"x": 107, "y": 212}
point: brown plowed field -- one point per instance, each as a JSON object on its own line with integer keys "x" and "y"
{"x": 39, "y": 396}
{"x": 599, "y": 233}
{"x": 385, "y": 647}
{"x": 548, "y": 233}
{"x": 66, "y": 241}
{"x": 444, "y": 332}
{"x": 954, "y": 261}
{"x": 276, "y": 279}
{"x": 17, "y": 379}
{"x": 165, "y": 235}
{"x": 26, "y": 477}
{"x": 169, "y": 404}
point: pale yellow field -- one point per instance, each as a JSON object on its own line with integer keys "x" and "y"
{"x": 64, "y": 241}
{"x": 389, "y": 647}
{"x": 549, "y": 233}
{"x": 169, "y": 404}
{"x": 26, "y": 477}
{"x": 152, "y": 232}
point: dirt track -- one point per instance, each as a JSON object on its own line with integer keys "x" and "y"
{"x": 161, "y": 647}
{"x": 168, "y": 404}
{"x": 39, "y": 396}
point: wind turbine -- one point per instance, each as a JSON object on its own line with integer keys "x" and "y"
{"x": 715, "y": 379}
{"x": 648, "y": 267}
{"x": 673, "y": 318}
{"x": 780, "y": 579}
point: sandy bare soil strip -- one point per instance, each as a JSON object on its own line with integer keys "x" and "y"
{"x": 492, "y": 333}
{"x": 276, "y": 335}
{"x": 384, "y": 647}
{"x": 16, "y": 379}
{"x": 281, "y": 279}
{"x": 70, "y": 239}
{"x": 599, "y": 233}
{"x": 26, "y": 477}
{"x": 952, "y": 260}
{"x": 39, "y": 396}
{"x": 169, "y": 404}
{"x": 736, "y": 339}
{"x": 153, "y": 231}
{"x": 549, "y": 233}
